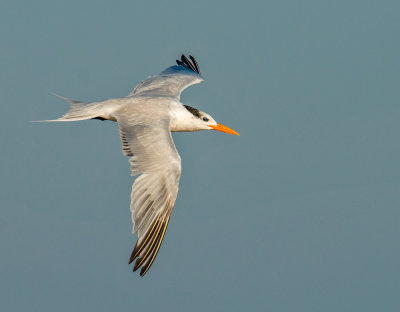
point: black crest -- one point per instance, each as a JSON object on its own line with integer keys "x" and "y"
{"x": 194, "y": 111}
{"x": 191, "y": 65}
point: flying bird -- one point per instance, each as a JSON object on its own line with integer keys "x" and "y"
{"x": 146, "y": 118}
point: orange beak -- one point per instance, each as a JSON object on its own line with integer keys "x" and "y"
{"x": 223, "y": 128}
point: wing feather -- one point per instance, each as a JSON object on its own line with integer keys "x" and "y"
{"x": 171, "y": 81}
{"x": 146, "y": 266}
{"x": 144, "y": 255}
{"x": 139, "y": 247}
{"x": 155, "y": 159}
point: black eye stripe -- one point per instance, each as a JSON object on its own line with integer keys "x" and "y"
{"x": 194, "y": 111}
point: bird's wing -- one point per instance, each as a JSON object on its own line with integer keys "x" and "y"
{"x": 154, "y": 157}
{"x": 172, "y": 81}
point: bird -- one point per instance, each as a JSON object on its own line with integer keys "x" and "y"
{"x": 146, "y": 118}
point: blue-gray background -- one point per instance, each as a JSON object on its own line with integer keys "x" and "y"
{"x": 299, "y": 213}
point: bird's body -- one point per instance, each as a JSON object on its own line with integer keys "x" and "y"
{"x": 146, "y": 119}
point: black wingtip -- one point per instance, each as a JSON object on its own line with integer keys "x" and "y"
{"x": 196, "y": 65}
{"x": 134, "y": 253}
{"x": 192, "y": 65}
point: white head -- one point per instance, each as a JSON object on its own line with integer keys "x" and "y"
{"x": 193, "y": 119}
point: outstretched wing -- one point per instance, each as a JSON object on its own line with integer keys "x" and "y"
{"x": 172, "y": 81}
{"x": 154, "y": 157}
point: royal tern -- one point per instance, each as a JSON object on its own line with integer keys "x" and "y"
{"x": 146, "y": 118}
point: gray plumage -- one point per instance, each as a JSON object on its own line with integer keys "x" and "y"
{"x": 146, "y": 118}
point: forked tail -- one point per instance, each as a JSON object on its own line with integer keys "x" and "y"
{"x": 81, "y": 111}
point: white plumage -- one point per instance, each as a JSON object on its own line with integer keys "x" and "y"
{"x": 146, "y": 118}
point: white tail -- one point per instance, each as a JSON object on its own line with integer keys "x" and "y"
{"x": 81, "y": 111}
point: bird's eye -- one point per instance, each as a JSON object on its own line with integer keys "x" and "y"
{"x": 205, "y": 118}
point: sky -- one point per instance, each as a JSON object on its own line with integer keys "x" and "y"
{"x": 299, "y": 213}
